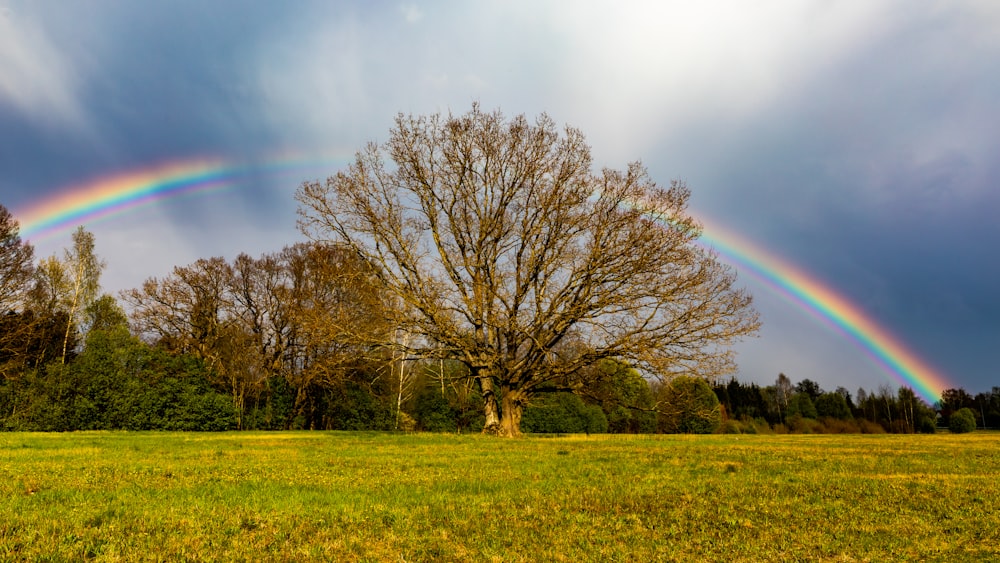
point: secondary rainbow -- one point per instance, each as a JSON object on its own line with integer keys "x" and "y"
{"x": 110, "y": 196}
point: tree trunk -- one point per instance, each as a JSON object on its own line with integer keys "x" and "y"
{"x": 510, "y": 414}
{"x": 490, "y": 408}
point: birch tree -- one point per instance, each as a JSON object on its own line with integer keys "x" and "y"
{"x": 83, "y": 275}
{"x": 508, "y": 252}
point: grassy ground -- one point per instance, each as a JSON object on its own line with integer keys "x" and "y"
{"x": 380, "y": 497}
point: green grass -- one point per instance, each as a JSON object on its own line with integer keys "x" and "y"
{"x": 383, "y": 497}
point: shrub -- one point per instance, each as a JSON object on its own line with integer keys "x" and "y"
{"x": 434, "y": 413}
{"x": 962, "y": 421}
{"x": 838, "y": 426}
{"x": 869, "y": 427}
{"x": 731, "y": 427}
{"x": 927, "y": 425}
{"x": 802, "y": 425}
{"x": 690, "y": 407}
{"x": 758, "y": 425}
{"x": 563, "y": 413}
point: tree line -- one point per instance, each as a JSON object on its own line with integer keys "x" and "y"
{"x": 806, "y": 407}
{"x": 249, "y": 344}
{"x": 255, "y": 343}
{"x": 473, "y": 273}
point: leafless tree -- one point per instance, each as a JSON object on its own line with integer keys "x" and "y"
{"x": 337, "y": 308}
{"x": 501, "y": 243}
{"x": 16, "y": 264}
{"x": 16, "y": 273}
{"x": 295, "y": 314}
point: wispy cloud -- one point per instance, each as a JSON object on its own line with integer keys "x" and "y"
{"x": 36, "y": 79}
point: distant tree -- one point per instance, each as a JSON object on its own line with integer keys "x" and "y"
{"x": 843, "y": 392}
{"x": 863, "y": 405}
{"x": 191, "y": 312}
{"x": 963, "y": 420}
{"x": 743, "y": 401}
{"x": 911, "y": 410}
{"x": 687, "y": 405}
{"x": 885, "y": 402}
{"x": 508, "y": 253}
{"x": 801, "y": 405}
{"x": 338, "y": 307}
{"x": 782, "y": 394}
{"x": 105, "y": 314}
{"x": 833, "y": 405}
{"x": 294, "y": 316}
{"x": 117, "y": 382}
{"x": 953, "y": 400}
{"x": 625, "y": 397}
{"x": 809, "y": 387}
{"x": 990, "y": 406}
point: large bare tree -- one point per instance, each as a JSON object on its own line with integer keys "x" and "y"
{"x": 506, "y": 251}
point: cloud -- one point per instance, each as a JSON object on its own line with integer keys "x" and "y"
{"x": 411, "y": 13}
{"x": 627, "y": 72}
{"x": 36, "y": 78}
{"x": 654, "y": 69}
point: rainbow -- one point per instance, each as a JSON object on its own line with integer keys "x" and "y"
{"x": 804, "y": 290}
{"x": 114, "y": 195}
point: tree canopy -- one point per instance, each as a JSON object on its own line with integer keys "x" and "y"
{"x": 506, "y": 251}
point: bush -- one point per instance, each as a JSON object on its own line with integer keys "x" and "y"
{"x": 351, "y": 406}
{"x": 563, "y": 413}
{"x": 838, "y": 426}
{"x": 869, "y": 427}
{"x": 690, "y": 407}
{"x": 927, "y": 425}
{"x": 731, "y": 427}
{"x": 962, "y": 421}
{"x": 801, "y": 425}
{"x": 434, "y": 413}
{"x": 758, "y": 425}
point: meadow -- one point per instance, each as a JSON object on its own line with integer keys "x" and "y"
{"x": 434, "y": 497}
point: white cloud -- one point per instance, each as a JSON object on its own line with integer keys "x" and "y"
{"x": 626, "y": 73}
{"x": 411, "y": 13}
{"x": 35, "y": 77}
{"x": 646, "y": 69}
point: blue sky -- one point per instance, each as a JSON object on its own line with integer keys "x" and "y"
{"x": 858, "y": 140}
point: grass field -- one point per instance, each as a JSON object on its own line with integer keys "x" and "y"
{"x": 384, "y": 497}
